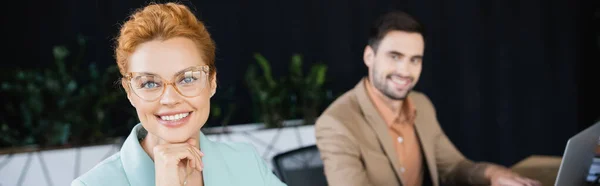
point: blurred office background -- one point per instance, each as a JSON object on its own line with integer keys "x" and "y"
{"x": 509, "y": 78}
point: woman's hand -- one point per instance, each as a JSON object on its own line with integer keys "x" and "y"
{"x": 171, "y": 162}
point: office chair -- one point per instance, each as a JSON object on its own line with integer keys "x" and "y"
{"x": 302, "y": 166}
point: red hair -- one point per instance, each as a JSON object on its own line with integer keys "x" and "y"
{"x": 163, "y": 22}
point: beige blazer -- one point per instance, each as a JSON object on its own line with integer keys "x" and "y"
{"x": 357, "y": 149}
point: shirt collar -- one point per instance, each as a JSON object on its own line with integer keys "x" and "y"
{"x": 406, "y": 115}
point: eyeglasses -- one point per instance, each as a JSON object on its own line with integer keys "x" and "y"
{"x": 149, "y": 87}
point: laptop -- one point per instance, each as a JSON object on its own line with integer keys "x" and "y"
{"x": 580, "y": 164}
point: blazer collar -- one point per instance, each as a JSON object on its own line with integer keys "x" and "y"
{"x": 138, "y": 166}
{"x": 377, "y": 124}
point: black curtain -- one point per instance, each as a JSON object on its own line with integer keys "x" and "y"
{"x": 509, "y": 78}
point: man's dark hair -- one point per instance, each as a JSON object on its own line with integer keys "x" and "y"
{"x": 393, "y": 21}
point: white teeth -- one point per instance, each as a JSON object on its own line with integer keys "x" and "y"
{"x": 399, "y": 81}
{"x": 175, "y": 117}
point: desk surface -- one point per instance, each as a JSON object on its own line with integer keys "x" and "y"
{"x": 542, "y": 168}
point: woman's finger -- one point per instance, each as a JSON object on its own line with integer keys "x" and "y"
{"x": 199, "y": 155}
{"x": 196, "y": 162}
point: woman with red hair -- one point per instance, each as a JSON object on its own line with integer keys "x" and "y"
{"x": 167, "y": 59}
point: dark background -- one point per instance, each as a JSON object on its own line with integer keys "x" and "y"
{"x": 509, "y": 78}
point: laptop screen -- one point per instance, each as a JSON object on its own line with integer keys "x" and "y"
{"x": 593, "y": 177}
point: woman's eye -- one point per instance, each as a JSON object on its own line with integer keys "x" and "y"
{"x": 188, "y": 80}
{"x": 149, "y": 85}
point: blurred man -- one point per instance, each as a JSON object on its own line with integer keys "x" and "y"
{"x": 383, "y": 133}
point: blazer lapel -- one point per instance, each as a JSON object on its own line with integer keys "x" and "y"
{"x": 427, "y": 144}
{"x": 216, "y": 168}
{"x": 138, "y": 166}
{"x": 378, "y": 125}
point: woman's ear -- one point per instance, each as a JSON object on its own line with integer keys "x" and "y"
{"x": 124, "y": 84}
{"x": 213, "y": 85}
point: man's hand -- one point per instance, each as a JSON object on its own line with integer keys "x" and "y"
{"x": 500, "y": 176}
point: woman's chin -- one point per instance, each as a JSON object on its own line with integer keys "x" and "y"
{"x": 174, "y": 138}
{"x": 178, "y": 135}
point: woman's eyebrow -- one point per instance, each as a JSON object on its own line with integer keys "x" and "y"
{"x": 183, "y": 71}
{"x": 175, "y": 75}
{"x": 146, "y": 73}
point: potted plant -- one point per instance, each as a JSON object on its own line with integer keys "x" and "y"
{"x": 308, "y": 89}
{"x": 68, "y": 104}
{"x": 269, "y": 95}
{"x": 298, "y": 94}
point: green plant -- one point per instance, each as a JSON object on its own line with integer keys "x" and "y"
{"x": 292, "y": 95}
{"x": 68, "y": 103}
{"x": 308, "y": 89}
{"x": 269, "y": 95}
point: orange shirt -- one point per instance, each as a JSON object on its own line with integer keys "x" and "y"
{"x": 401, "y": 129}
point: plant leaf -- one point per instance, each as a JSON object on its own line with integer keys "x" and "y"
{"x": 266, "y": 68}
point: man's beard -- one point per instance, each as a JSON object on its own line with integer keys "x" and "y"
{"x": 381, "y": 85}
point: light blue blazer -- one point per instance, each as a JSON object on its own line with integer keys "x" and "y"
{"x": 224, "y": 164}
